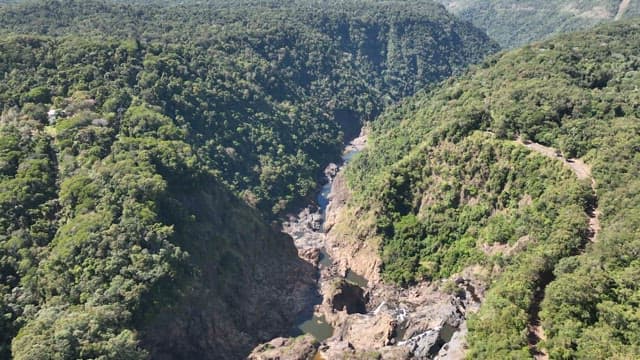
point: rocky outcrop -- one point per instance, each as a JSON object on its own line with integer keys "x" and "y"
{"x": 305, "y": 228}
{"x": 429, "y": 343}
{"x": 370, "y": 319}
{"x": 363, "y": 336}
{"x": 422, "y": 322}
{"x": 300, "y": 348}
{"x": 311, "y": 255}
{"x": 455, "y": 348}
{"x": 351, "y": 246}
{"x": 347, "y": 297}
{"x": 331, "y": 171}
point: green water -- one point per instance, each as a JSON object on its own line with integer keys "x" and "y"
{"x": 325, "y": 259}
{"x": 318, "y": 327}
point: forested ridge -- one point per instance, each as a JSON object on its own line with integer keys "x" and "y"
{"x": 149, "y": 148}
{"x": 514, "y": 23}
{"x": 143, "y": 146}
{"x": 265, "y": 100}
{"x": 445, "y": 185}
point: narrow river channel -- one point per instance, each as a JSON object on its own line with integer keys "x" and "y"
{"x": 308, "y": 232}
{"x": 346, "y": 311}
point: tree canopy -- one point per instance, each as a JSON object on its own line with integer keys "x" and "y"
{"x": 143, "y": 146}
{"x": 446, "y": 182}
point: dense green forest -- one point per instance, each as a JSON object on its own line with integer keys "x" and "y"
{"x": 148, "y": 148}
{"x": 143, "y": 146}
{"x": 264, "y": 100}
{"x": 449, "y": 187}
{"x": 515, "y": 23}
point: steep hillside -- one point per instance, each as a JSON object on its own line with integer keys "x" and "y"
{"x": 266, "y": 101}
{"x": 142, "y": 147}
{"x": 98, "y": 249}
{"x": 444, "y": 185}
{"x": 516, "y": 23}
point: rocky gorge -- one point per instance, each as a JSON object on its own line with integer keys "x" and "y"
{"x": 356, "y": 314}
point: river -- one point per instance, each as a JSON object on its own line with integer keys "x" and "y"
{"x": 307, "y": 230}
{"x": 418, "y": 320}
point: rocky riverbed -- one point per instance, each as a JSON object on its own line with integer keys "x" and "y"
{"x": 356, "y": 314}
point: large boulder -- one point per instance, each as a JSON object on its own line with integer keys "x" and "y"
{"x": 299, "y": 348}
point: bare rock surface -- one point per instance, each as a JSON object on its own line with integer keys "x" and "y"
{"x": 348, "y": 297}
{"x": 310, "y": 255}
{"x": 305, "y": 227}
{"x": 372, "y": 320}
{"x": 300, "y": 348}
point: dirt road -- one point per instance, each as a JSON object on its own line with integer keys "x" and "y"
{"x": 582, "y": 171}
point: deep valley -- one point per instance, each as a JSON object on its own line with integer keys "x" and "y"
{"x": 319, "y": 179}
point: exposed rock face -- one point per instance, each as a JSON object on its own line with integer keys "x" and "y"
{"x": 331, "y": 171}
{"x": 420, "y": 322}
{"x": 375, "y": 320}
{"x": 352, "y": 248}
{"x": 311, "y": 255}
{"x": 455, "y": 348}
{"x": 237, "y": 294}
{"x": 300, "y": 348}
{"x": 429, "y": 343}
{"x": 348, "y": 297}
{"x": 337, "y": 199}
{"x": 305, "y": 228}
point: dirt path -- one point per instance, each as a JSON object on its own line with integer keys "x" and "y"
{"x": 582, "y": 171}
{"x": 535, "y": 330}
{"x": 624, "y": 5}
